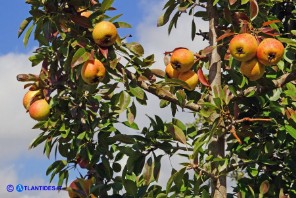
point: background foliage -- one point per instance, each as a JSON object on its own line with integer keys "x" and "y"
{"x": 257, "y": 119}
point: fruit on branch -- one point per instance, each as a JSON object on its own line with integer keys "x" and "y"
{"x": 29, "y": 98}
{"x": 243, "y": 47}
{"x": 189, "y": 77}
{"x": 80, "y": 188}
{"x": 270, "y": 51}
{"x": 93, "y": 71}
{"x": 182, "y": 59}
{"x": 252, "y": 69}
{"x": 171, "y": 72}
{"x": 39, "y": 110}
{"x": 104, "y": 33}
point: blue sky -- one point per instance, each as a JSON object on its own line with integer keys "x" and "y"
{"x": 20, "y": 165}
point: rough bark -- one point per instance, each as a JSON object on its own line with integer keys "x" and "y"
{"x": 217, "y": 146}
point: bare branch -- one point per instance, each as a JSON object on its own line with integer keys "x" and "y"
{"x": 247, "y": 119}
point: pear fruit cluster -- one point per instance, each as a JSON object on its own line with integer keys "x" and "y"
{"x": 255, "y": 56}
{"x": 180, "y": 67}
{"x": 37, "y": 107}
{"x": 104, "y": 35}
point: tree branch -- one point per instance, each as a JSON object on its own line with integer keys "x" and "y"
{"x": 278, "y": 83}
{"x": 201, "y": 170}
{"x": 158, "y": 91}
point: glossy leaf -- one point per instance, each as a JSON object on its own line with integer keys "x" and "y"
{"x": 106, "y": 4}
{"x": 80, "y": 56}
{"x": 177, "y": 133}
{"x": 136, "y": 48}
{"x": 24, "y": 25}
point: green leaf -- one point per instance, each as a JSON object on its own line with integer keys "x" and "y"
{"x": 276, "y": 94}
{"x": 135, "y": 48}
{"x": 131, "y": 125}
{"x": 193, "y": 30}
{"x": 164, "y": 18}
{"x": 106, "y": 4}
{"x": 27, "y": 35}
{"x": 215, "y": 2}
{"x": 178, "y": 178}
{"x": 130, "y": 187}
{"x": 291, "y": 130}
{"x": 157, "y": 166}
{"x": 205, "y": 194}
{"x": 62, "y": 176}
{"x": 288, "y": 41}
{"x": 137, "y": 92}
{"x": 80, "y": 56}
{"x": 161, "y": 195}
{"x": 181, "y": 95}
{"x": 55, "y": 165}
{"x": 124, "y": 101}
{"x": 177, "y": 133}
{"x": 127, "y": 139}
{"x": 23, "y": 26}
{"x": 41, "y": 138}
{"x": 120, "y": 24}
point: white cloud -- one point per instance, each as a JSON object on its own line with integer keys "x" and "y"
{"x": 9, "y": 175}
{"x": 16, "y": 132}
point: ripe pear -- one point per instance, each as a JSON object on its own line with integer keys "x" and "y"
{"x": 190, "y": 77}
{"x": 270, "y": 51}
{"x": 182, "y": 59}
{"x": 171, "y": 72}
{"x": 93, "y": 71}
{"x": 29, "y": 97}
{"x": 243, "y": 47}
{"x": 104, "y": 33}
{"x": 39, "y": 110}
{"x": 252, "y": 69}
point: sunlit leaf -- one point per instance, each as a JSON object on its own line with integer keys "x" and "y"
{"x": 80, "y": 56}
{"x": 27, "y": 35}
{"x": 23, "y": 25}
{"x": 106, "y": 4}
{"x": 177, "y": 133}
{"x": 136, "y": 48}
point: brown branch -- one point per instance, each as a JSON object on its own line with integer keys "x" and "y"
{"x": 239, "y": 165}
{"x": 247, "y": 119}
{"x": 233, "y": 132}
{"x": 277, "y": 83}
{"x": 195, "y": 167}
{"x": 157, "y": 91}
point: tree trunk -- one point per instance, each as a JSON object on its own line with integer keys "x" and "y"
{"x": 217, "y": 145}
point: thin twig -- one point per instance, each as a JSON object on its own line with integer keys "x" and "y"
{"x": 233, "y": 132}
